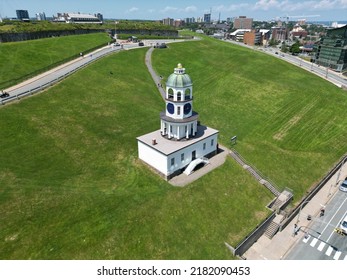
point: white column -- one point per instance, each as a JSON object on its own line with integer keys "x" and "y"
{"x": 178, "y": 132}
{"x": 187, "y": 133}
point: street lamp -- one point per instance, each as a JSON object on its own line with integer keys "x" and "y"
{"x": 302, "y": 205}
{"x": 115, "y": 29}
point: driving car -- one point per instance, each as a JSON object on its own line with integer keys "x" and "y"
{"x": 343, "y": 225}
{"x": 4, "y": 94}
{"x": 343, "y": 186}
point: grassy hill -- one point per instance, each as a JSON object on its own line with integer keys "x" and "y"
{"x": 289, "y": 123}
{"x": 73, "y": 188}
{"x": 22, "y": 60}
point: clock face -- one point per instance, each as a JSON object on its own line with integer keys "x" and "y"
{"x": 170, "y": 108}
{"x": 187, "y": 108}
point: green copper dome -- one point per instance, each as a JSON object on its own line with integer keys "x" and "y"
{"x": 179, "y": 78}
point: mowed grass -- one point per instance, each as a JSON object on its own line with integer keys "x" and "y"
{"x": 290, "y": 124}
{"x": 20, "y": 59}
{"x": 71, "y": 186}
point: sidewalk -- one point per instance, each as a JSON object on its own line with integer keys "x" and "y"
{"x": 277, "y": 247}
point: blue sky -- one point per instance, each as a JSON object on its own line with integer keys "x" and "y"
{"x": 317, "y": 10}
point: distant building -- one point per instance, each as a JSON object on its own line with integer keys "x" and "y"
{"x": 178, "y": 22}
{"x": 189, "y": 20}
{"x": 40, "y": 16}
{"x": 22, "y": 15}
{"x": 331, "y": 50}
{"x": 77, "y": 18}
{"x": 243, "y": 22}
{"x": 207, "y": 18}
{"x": 253, "y": 37}
{"x": 168, "y": 21}
{"x": 279, "y": 33}
{"x": 238, "y": 34}
{"x": 298, "y": 33}
{"x": 99, "y": 16}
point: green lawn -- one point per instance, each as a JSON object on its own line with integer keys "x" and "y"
{"x": 27, "y": 58}
{"x": 73, "y": 188}
{"x": 290, "y": 124}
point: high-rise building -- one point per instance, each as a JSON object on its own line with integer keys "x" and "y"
{"x": 168, "y": 21}
{"x": 22, "y": 14}
{"x": 331, "y": 50}
{"x": 207, "y": 18}
{"x": 243, "y": 22}
{"x": 40, "y": 16}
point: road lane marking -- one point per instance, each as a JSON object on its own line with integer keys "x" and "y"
{"x": 337, "y": 255}
{"x": 329, "y": 251}
{"x": 306, "y": 238}
{"x": 321, "y": 246}
{"x": 332, "y": 219}
{"x": 313, "y": 242}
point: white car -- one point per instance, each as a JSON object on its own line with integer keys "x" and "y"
{"x": 343, "y": 186}
{"x": 343, "y": 225}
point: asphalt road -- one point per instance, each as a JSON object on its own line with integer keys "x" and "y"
{"x": 321, "y": 242}
{"x": 49, "y": 78}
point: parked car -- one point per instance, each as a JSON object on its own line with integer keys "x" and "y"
{"x": 4, "y": 94}
{"x": 343, "y": 186}
{"x": 161, "y": 46}
{"x": 343, "y": 225}
{"x": 141, "y": 44}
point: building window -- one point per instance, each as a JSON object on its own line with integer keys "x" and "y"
{"x": 204, "y": 146}
{"x": 179, "y": 96}
{"x": 212, "y": 142}
{"x": 187, "y": 94}
{"x": 172, "y": 161}
{"x": 179, "y": 110}
{"x": 182, "y": 157}
{"x": 170, "y": 93}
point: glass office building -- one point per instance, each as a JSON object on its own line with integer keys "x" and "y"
{"x": 331, "y": 50}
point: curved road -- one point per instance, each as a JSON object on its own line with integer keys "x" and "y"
{"x": 51, "y": 77}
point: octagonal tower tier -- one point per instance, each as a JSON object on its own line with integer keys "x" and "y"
{"x": 178, "y": 120}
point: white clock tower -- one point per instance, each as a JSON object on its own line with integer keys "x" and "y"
{"x": 179, "y": 121}
{"x": 181, "y": 143}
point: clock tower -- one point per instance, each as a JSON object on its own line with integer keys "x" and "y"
{"x": 178, "y": 120}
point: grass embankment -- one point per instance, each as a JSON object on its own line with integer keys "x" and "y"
{"x": 290, "y": 124}
{"x": 73, "y": 188}
{"x": 71, "y": 184}
{"x": 22, "y": 60}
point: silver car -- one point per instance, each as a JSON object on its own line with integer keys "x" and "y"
{"x": 343, "y": 225}
{"x": 343, "y": 186}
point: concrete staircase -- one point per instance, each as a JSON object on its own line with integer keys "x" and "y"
{"x": 255, "y": 173}
{"x": 274, "y": 226}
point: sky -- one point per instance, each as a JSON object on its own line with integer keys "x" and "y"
{"x": 317, "y": 10}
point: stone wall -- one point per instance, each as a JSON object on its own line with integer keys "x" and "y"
{"x": 23, "y": 36}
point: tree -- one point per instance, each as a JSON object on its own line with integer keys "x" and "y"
{"x": 295, "y": 48}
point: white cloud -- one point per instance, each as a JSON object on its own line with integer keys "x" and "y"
{"x": 132, "y": 10}
{"x": 169, "y": 9}
{"x": 231, "y": 8}
{"x": 301, "y": 6}
{"x": 190, "y": 9}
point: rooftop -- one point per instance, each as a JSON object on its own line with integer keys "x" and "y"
{"x": 168, "y": 147}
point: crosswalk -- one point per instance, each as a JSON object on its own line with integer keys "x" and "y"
{"x": 324, "y": 247}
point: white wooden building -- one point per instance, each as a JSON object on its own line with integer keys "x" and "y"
{"x": 181, "y": 143}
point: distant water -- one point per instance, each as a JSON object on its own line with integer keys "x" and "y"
{"x": 328, "y": 23}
